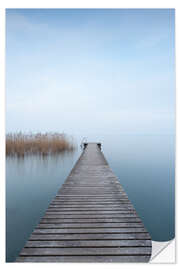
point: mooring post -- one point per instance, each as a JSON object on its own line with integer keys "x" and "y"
{"x": 85, "y": 145}
{"x": 99, "y": 145}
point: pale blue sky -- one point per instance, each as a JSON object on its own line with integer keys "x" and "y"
{"x": 90, "y": 71}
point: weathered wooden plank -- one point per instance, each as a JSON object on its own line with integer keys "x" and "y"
{"x": 89, "y": 230}
{"x": 128, "y": 204}
{"x": 91, "y": 199}
{"x": 113, "y": 201}
{"x": 90, "y": 196}
{"x": 79, "y": 212}
{"x": 95, "y": 191}
{"x": 87, "y": 209}
{"x": 92, "y": 220}
{"x": 101, "y": 183}
{"x": 117, "y": 204}
{"x": 86, "y": 251}
{"x": 109, "y": 188}
{"x": 92, "y": 206}
{"x": 58, "y": 211}
{"x": 99, "y": 236}
{"x": 88, "y": 216}
{"x": 88, "y": 192}
{"x": 105, "y": 186}
{"x": 90, "y": 225}
{"x": 87, "y": 259}
{"x": 90, "y": 243}
{"x": 87, "y": 201}
{"x": 93, "y": 188}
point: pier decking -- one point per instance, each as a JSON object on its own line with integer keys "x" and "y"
{"x": 90, "y": 220}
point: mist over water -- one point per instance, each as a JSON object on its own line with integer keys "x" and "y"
{"x": 31, "y": 183}
{"x": 144, "y": 165}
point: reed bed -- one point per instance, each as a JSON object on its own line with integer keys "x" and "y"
{"x": 19, "y": 144}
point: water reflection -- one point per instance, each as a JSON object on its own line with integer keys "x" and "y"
{"x": 33, "y": 163}
{"x": 31, "y": 183}
{"x": 144, "y": 165}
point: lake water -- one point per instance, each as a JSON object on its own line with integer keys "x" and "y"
{"x": 144, "y": 165}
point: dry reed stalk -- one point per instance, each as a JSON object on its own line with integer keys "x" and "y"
{"x": 19, "y": 144}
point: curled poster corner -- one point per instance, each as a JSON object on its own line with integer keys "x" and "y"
{"x": 163, "y": 252}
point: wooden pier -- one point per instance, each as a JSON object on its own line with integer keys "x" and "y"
{"x": 90, "y": 220}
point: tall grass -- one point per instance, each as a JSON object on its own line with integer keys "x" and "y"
{"x": 19, "y": 144}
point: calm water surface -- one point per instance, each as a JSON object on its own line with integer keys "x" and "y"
{"x": 143, "y": 164}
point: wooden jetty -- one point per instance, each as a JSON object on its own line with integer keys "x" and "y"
{"x": 90, "y": 220}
